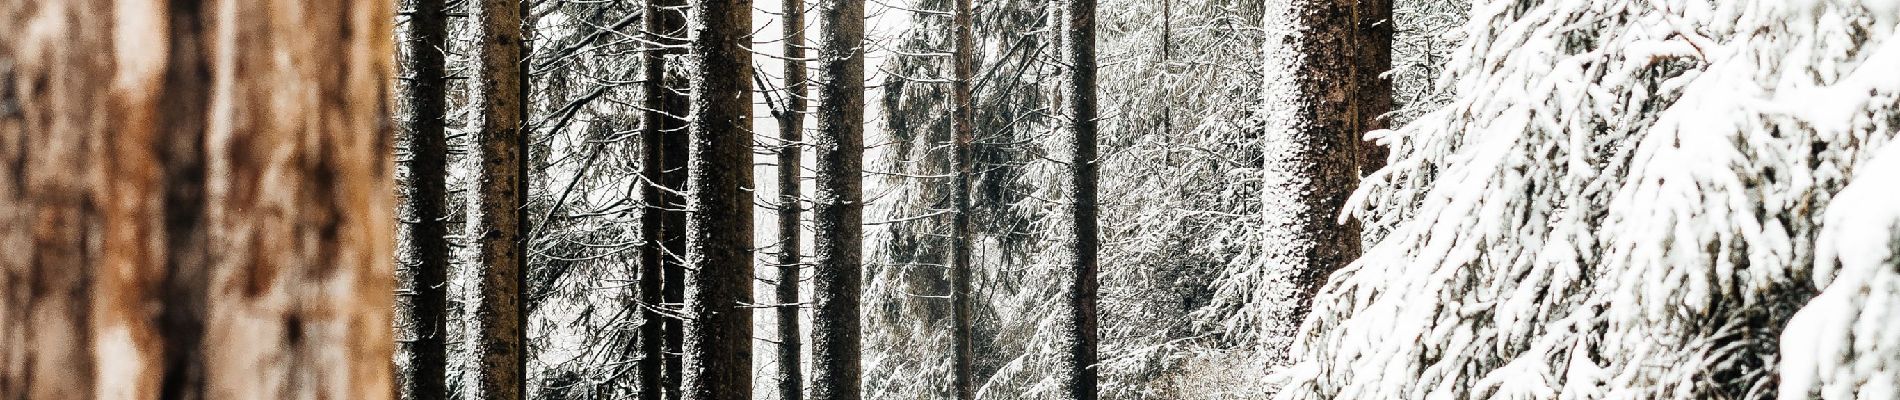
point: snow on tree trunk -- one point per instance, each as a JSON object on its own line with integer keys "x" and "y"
{"x": 423, "y": 262}
{"x": 197, "y": 200}
{"x": 718, "y": 335}
{"x": 1620, "y": 202}
{"x": 496, "y": 203}
{"x": 838, "y": 204}
{"x": 791, "y": 126}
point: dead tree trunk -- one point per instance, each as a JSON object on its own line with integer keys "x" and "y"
{"x": 838, "y": 208}
{"x": 963, "y": 123}
{"x": 422, "y": 299}
{"x": 1079, "y": 53}
{"x": 718, "y": 352}
{"x": 208, "y": 237}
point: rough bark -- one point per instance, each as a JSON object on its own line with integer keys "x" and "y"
{"x": 495, "y": 320}
{"x": 963, "y": 125}
{"x": 422, "y": 298}
{"x": 718, "y": 336}
{"x": 1083, "y": 325}
{"x": 838, "y": 207}
{"x": 1372, "y": 57}
{"x": 658, "y": 203}
{"x": 1311, "y": 149}
{"x": 791, "y": 134}
{"x": 675, "y": 103}
{"x": 213, "y": 235}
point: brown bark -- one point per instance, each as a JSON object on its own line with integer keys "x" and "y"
{"x": 233, "y": 196}
{"x": 963, "y": 123}
{"x": 653, "y": 228}
{"x": 422, "y": 299}
{"x": 718, "y": 336}
{"x": 1079, "y": 53}
{"x": 673, "y": 148}
{"x": 495, "y": 225}
{"x": 838, "y": 207}
{"x": 791, "y": 133}
{"x": 1372, "y": 58}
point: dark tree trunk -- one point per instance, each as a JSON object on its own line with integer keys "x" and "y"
{"x": 1079, "y": 53}
{"x": 495, "y": 225}
{"x": 174, "y": 227}
{"x": 659, "y": 206}
{"x": 422, "y": 300}
{"x": 673, "y": 148}
{"x": 718, "y": 347}
{"x": 963, "y": 123}
{"x": 791, "y": 133}
{"x": 838, "y": 208}
{"x": 1311, "y": 151}
{"x": 1372, "y": 58}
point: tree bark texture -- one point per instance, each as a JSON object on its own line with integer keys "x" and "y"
{"x": 963, "y": 125}
{"x": 196, "y": 199}
{"x": 1083, "y": 322}
{"x": 422, "y": 298}
{"x": 838, "y": 207}
{"x": 495, "y": 225}
{"x": 791, "y": 134}
{"x": 718, "y": 336}
{"x": 654, "y": 259}
{"x": 1372, "y": 59}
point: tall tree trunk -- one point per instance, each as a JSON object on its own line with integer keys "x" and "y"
{"x": 658, "y": 204}
{"x": 208, "y": 237}
{"x": 791, "y": 133}
{"x": 963, "y": 122}
{"x": 673, "y": 148}
{"x": 1311, "y": 149}
{"x": 1079, "y": 46}
{"x": 838, "y": 208}
{"x": 718, "y": 348}
{"x": 422, "y": 300}
{"x": 496, "y": 204}
{"x": 1372, "y": 58}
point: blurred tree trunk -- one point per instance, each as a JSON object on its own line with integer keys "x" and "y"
{"x": 495, "y": 224}
{"x": 963, "y": 123}
{"x": 1084, "y": 335}
{"x": 180, "y": 224}
{"x": 718, "y": 337}
{"x": 791, "y": 126}
{"x": 838, "y": 208}
{"x": 424, "y": 264}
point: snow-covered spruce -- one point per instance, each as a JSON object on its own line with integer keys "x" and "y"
{"x": 1623, "y": 201}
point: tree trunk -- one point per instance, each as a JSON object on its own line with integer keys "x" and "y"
{"x": 963, "y": 123}
{"x": 1311, "y": 151}
{"x": 791, "y": 133}
{"x": 495, "y": 323}
{"x": 195, "y": 241}
{"x": 1079, "y": 46}
{"x": 718, "y": 347}
{"x": 673, "y": 148}
{"x": 659, "y": 203}
{"x": 423, "y": 298}
{"x": 1372, "y": 58}
{"x": 838, "y": 208}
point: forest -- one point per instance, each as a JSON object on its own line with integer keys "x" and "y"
{"x": 949, "y": 199}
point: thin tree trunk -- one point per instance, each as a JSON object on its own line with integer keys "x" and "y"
{"x": 1080, "y": 89}
{"x": 838, "y": 211}
{"x": 963, "y": 122}
{"x": 1311, "y": 149}
{"x": 195, "y": 241}
{"x": 791, "y": 132}
{"x": 495, "y": 225}
{"x": 423, "y": 299}
{"x": 718, "y": 354}
{"x": 653, "y": 257}
{"x": 673, "y": 147}
{"x": 1373, "y": 57}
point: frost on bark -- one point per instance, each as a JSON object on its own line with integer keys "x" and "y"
{"x": 1083, "y": 324}
{"x": 188, "y": 215}
{"x": 1311, "y": 155}
{"x": 838, "y": 207}
{"x": 422, "y": 292}
{"x": 718, "y": 331}
{"x": 963, "y": 126}
{"x": 791, "y": 126}
{"x": 495, "y": 220}
{"x": 658, "y": 253}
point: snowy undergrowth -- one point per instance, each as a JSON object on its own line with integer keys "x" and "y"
{"x": 1844, "y": 343}
{"x": 1623, "y": 201}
